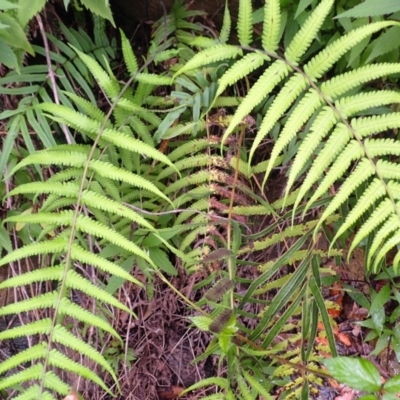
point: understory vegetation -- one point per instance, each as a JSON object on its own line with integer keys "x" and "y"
{"x": 216, "y": 189}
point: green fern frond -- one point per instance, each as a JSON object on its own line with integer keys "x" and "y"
{"x": 259, "y": 91}
{"x": 211, "y": 55}
{"x": 55, "y": 246}
{"x": 66, "y": 338}
{"x": 271, "y": 25}
{"x": 370, "y": 196}
{"x": 240, "y": 69}
{"x": 244, "y": 24}
{"x": 39, "y": 275}
{"x": 381, "y": 213}
{"x": 302, "y": 40}
{"x": 255, "y": 384}
{"x": 129, "y": 57}
{"x": 288, "y": 94}
{"x": 29, "y": 374}
{"x": 324, "y": 60}
{"x": 106, "y": 81}
{"x": 78, "y": 253}
{"x": 59, "y": 360}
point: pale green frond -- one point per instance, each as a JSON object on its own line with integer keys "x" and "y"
{"x": 42, "y": 327}
{"x": 272, "y": 25}
{"x": 336, "y": 142}
{"x": 257, "y": 385}
{"x": 68, "y": 189}
{"x": 129, "y": 57}
{"x": 243, "y": 388}
{"x": 304, "y": 110}
{"x": 324, "y": 60}
{"x": 244, "y": 24}
{"x": 388, "y": 170}
{"x": 59, "y": 360}
{"x": 55, "y": 246}
{"x": 258, "y": 92}
{"x": 34, "y": 392}
{"x": 63, "y": 336}
{"x": 214, "y": 381}
{"x": 240, "y": 69}
{"x": 361, "y": 173}
{"x": 41, "y": 301}
{"x": 287, "y": 95}
{"x": 33, "y": 353}
{"x": 345, "y": 82}
{"x": 381, "y": 213}
{"x": 391, "y": 225}
{"x": 108, "y": 170}
{"x": 308, "y": 32}
{"x": 47, "y": 157}
{"x": 382, "y": 147}
{"x": 322, "y": 124}
{"x": 38, "y": 275}
{"x": 252, "y": 210}
{"x": 371, "y": 194}
{"x": 78, "y": 253}
{"x": 292, "y": 231}
{"x": 351, "y": 105}
{"x": 87, "y": 225}
{"x": 226, "y": 24}
{"x": 67, "y": 307}
{"x": 53, "y": 382}
{"x": 153, "y": 79}
{"x": 108, "y": 83}
{"x": 31, "y": 373}
{"x": 100, "y": 202}
{"x": 378, "y": 123}
{"x": 194, "y": 179}
{"x": 78, "y": 282}
{"x": 63, "y": 218}
{"x": 89, "y": 108}
{"x": 194, "y": 162}
{"x": 211, "y": 55}
{"x": 386, "y": 247}
{"x": 192, "y": 147}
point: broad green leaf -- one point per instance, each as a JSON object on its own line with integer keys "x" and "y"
{"x": 357, "y": 373}
{"x": 7, "y": 5}
{"x": 160, "y": 259}
{"x": 393, "y": 384}
{"x": 99, "y": 7}
{"x": 371, "y": 8}
{"x": 14, "y": 35}
{"x": 28, "y": 9}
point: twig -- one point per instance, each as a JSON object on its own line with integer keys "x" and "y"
{"x": 67, "y": 133}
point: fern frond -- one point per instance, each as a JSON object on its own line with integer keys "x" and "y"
{"x": 78, "y": 253}
{"x": 371, "y": 194}
{"x": 244, "y": 24}
{"x": 29, "y": 374}
{"x": 59, "y": 360}
{"x": 55, "y": 246}
{"x": 361, "y": 173}
{"x": 259, "y": 91}
{"x": 129, "y": 58}
{"x": 240, "y": 69}
{"x": 106, "y": 80}
{"x": 287, "y": 95}
{"x": 324, "y": 60}
{"x": 381, "y": 212}
{"x": 302, "y": 40}
{"x": 271, "y": 26}
{"x": 211, "y": 55}
{"x": 66, "y": 338}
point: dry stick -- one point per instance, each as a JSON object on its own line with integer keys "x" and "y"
{"x": 52, "y": 75}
